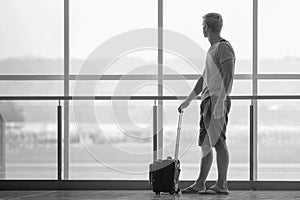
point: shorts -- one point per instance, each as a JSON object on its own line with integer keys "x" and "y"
{"x": 212, "y": 131}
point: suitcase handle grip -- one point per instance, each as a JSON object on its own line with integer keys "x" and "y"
{"x": 178, "y": 135}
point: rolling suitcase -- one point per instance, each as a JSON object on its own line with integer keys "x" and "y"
{"x": 164, "y": 174}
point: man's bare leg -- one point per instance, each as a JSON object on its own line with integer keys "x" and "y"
{"x": 206, "y": 162}
{"x": 222, "y": 164}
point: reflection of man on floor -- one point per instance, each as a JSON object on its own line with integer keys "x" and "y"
{"x": 215, "y": 85}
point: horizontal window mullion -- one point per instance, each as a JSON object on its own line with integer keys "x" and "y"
{"x": 140, "y": 77}
{"x": 31, "y": 77}
{"x": 278, "y": 76}
{"x": 71, "y": 98}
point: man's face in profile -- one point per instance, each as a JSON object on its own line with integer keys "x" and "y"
{"x": 205, "y": 28}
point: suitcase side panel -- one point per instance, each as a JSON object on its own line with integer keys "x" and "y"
{"x": 161, "y": 175}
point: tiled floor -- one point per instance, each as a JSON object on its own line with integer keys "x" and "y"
{"x": 144, "y": 195}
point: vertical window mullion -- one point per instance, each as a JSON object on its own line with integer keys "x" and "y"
{"x": 254, "y": 93}
{"x": 66, "y": 88}
{"x": 160, "y": 79}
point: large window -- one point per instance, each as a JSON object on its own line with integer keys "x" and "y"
{"x": 112, "y": 139}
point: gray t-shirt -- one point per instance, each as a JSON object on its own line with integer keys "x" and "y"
{"x": 217, "y": 54}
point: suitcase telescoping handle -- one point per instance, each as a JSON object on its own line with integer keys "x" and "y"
{"x": 178, "y": 134}
{"x": 154, "y": 132}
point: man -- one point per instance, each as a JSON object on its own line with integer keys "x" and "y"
{"x": 215, "y": 85}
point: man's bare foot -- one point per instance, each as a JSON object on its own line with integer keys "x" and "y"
{"x": 195, "y": 188}
{"x": 219, "y": 189}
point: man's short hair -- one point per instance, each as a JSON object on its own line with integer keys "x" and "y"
{"x": 213, "y": 21}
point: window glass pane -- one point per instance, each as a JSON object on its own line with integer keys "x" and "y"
{"x": 94, "y": 22}
{"x": 178, "y": 87}
{"x": 241, "y": 87}
{"x": 284, "y": 65}
{"x": 30, "y": 139}
{"x": 278, "y": 140}
{"x": 190, "y": 153}
{"x": 111, "y": 139}
{"x": 238, "y": 140}
{"x": 179, "y": 64}
{"x": 32, "y": 40}
{"x": 278, "y": 87}
{"x": 184, "y": 87}
{"x": 185, "y": 17}
{"x": 31, "y": 88}
{"x": 278, "y": 49}
{"x": 114, "y": 88}
{"x": 132, "y": 63}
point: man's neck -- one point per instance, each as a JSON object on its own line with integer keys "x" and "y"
{"x": 214, "y": 38}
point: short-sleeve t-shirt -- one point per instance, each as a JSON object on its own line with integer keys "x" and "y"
{"x": 217, "y": 54}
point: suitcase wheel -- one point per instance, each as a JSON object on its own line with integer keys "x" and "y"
{"x": 177, "y": 191}
{"x": 172, "y": 192}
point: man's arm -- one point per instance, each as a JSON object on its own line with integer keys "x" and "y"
{"x": 196, "y": 91}
{"x": 228, "y": 68}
